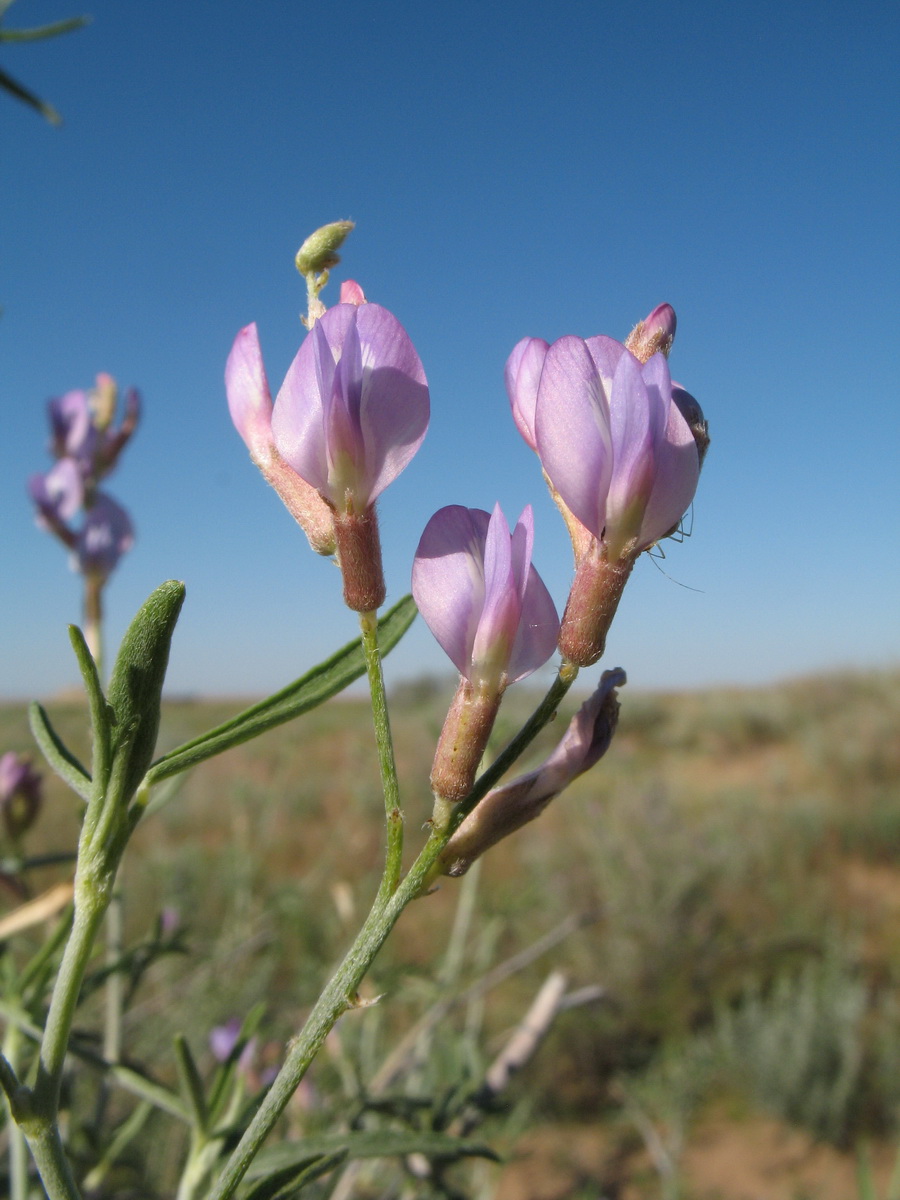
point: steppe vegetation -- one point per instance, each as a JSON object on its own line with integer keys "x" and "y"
{"x": 726, "y": 884}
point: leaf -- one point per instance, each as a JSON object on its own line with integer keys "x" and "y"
{"x": 310, "y": 690}
{"x": 57, "y": 754}
{"x": 135, "y": 686}
{"x": 191, "y": 1082}
{"x": 21, "y": 92}
{"x": 101, "y": 714}
{"x": 371, "y": 1143}
{"x": 287, "y": 1183}
{"x": 38, "y": 32}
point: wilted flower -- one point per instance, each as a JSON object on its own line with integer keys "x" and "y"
{"x": 488, "y": 608}
{"x": 506, "y": 809}
{"x": 350, "y": 415}
{"x": 21, "y": 792}
{"x": 250, "y": 405}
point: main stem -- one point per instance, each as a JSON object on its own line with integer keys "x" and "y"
{"x": 340, "y": 992}
{"x": 393, "y": 814}
{"x": 339, "y": 995}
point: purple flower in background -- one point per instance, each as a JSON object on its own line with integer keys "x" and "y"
{"x": 58, "y": 496}
{"x": 104, "y": 537}
{"x": 250, "y": 405}
{"x": 81, "y": 425}
{"x": 21, "y": 792}
{"x": 353, "y": 408}
{"x": 488, "y": 608}
{"x": 480, "y": 596}
{"x": 614, "y": 445}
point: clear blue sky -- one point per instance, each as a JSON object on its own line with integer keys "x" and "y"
{"x": 513, "y": 169}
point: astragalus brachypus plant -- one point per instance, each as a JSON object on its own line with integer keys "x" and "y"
{"x": 621, "y": 448}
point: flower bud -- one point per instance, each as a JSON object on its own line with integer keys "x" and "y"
{"x": 20, "y": 793}
{"x": 103, "y": 401}
{"x": 693, "y": 414}
{"x": 319, "y": 251}
{"x": 655, "y": 334}
{"x": 352, "y": 293}
{"x": 508, "y": 808}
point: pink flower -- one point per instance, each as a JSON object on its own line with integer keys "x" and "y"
{"x": 250, "y": 406}
{"x": 488, "y": 608}
{"x": 480, "y": 596}
{"x": 353, "y": 408}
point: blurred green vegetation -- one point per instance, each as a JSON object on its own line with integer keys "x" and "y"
{"x": 729, "y": 875}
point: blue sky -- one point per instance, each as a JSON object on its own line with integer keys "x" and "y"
{"x": 513, "y": 169}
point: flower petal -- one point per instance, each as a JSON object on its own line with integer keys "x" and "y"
{"x": 448, "y": 579}
{"x": 573, "y": 430}
{"x": 249, "y": 399}
{"x": 523, "y": 375}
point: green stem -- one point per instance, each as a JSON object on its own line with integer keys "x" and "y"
{"x": 90, "y": 906}
{"x": 393, "y": 814}
{"x": 340, "y": 992}
{"x": 339, "y": 996}
{"x": 51, "y": 1162}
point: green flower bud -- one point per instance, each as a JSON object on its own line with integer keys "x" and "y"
{"x": 319, "y": 251}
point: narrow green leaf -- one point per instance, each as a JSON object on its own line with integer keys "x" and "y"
{"x": 287, "y": 1183}
{"x": 371, "y": 1143}
{"x": 99, "y": 709}
{"x": 135, "y": 687}
{"x": 191, "y": 1082}
{"x": 21, "y": 92}
{"x": 57, "y": 754}
{"x": 311, "y": 689}
{"x": 38, "y": 32}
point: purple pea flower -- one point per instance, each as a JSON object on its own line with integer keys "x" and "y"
{"x": 107, "y": 533}
{"x": 58, "y": 496}
{"x": 350, "y": 415}
{"x": 523, "y": 375}
{"x": 613, "y": 443}
{"x": 353, "y": 408}
{"x": 488, "y": 608}
{"x": 81, "y": 425}
{"x": 21, "y": 792}
{"x": 507, "y": 808}
{"x": 250, "y": 405}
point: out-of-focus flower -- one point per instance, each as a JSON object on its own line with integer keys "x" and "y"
{"x": 488, "y": 608}
{"x": 506, "y": 809}
{"x": 58, "y": 496}
{"x": 655, "y": 334}
{"x": 21, "y": 793}
{"x": 350, "y": 415}
{"x": 81, "y": 424}
{"x": 250, "y": 405}
{"x": 107, "y": 533}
